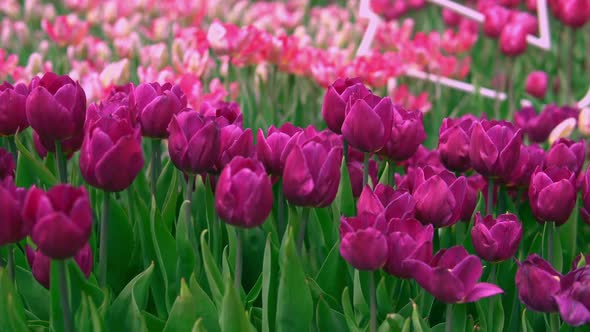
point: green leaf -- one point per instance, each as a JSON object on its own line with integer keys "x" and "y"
{"x": 328, "y": 319}
{"x": 153, "y": 323}
{"x": 56, "y": 315}
{"x": 498, "y": 325}
{"x": 295, "y": 305}
{"x": 34, "y": 295}
{"x": 125, "y": 312}
{"x": 333, "y": 276}
{"x": 358, "y": 298}
{"x": 568, "y": 234}
{"x": 188, "y": 309}
{"x": 233, "y": 315}
{"x": 460, "y": 317}
{"x": 212, "y": 272}
{"x": 186, "y": 259}
{"x": 29, "y": 169}
{"x": 345, "y": 197}
{"x": 121, "y": 239}
{"x": 269, "y": 286}
{"x": 254, "y": 291}
{"x": 206, "y": 308}
{"x": 418, "y": 322}
{"x": 348, "y": 311}
{"x": 526, "y": 326}
{"x": 169, "y": 204}
{"x": 87, "y": 317}
{"x": 12, "y": 313}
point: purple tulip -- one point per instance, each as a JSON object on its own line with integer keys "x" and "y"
{"x": 566, "y": 153}
{"x": 118, "y": 106}
{"x": 234, "y": 141}
{"x": 363, "y": 243}
{"x": 453, "y": 143}
{"x": 338, "y": 95}
{"x": 7, "y": 166}
{"x": 312, "y": 173}
{"x": 452, "y": 276}
{"x": 424, "y": 157}
{"x": 224, "y": 113}
{"x": 407, "y": 239}
{"x": 573, "y": 300}
{"x": 368, "y": 122}
{"x": 41, "y": 264}
{"x": 56, "y": 110}
{"x": 585, "y": 210}
{"x": 398, "y": 204}
{"x": 156, "y": 105}
{"x": 537, "y": 282}
{"x": 355, "y": 166}
{"x": 497, "y": 239}
{"x": 272, "y": 149}
{"x": 407, "y": 134}
{"x": 13, "y": 102}
{"x": 531, "y": 157}
{"x": 61, "y": 219}
{"x": 539, "y": 126}
{"x": 494, "y": 148}
{"x": 243, "y": 194}
{"x": 12, "y": 226}
{"x": 111, "y": 155}
{"x": 552, "y": 195}
{"x": 194, "y": 142}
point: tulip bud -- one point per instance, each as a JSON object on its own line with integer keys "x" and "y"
{"x": 243, "y": 194}
{"x": 450, "y": 17}
{"x": 539, "y": 127}
{"x": 12, "y": 226}
{"x": 234, "y": 141}
{"x": 572, "y": 300}
{"x": 531, "y": 157}
{"x": 223, "y": 112}
{"x": 271, "y": 150}
{"x": 41, "y": 264}
{"x": 497, "y": 239}
{"x": 495, "y": 147}
{"x": 513, "y": 39}
{"x": 574, "y": 13}
{"x": 312, "y": 173}
{"x": 585, "y": 210}
{"x": 536, "y": 84}
{"x": 407, "y": 239}
{"x": 363, "y": 243}
{"x": 453, "y": 143}
{"x": 338, "y": 95}
{"x": 7, "y": 165}
{"x": 495, "y": 19}
{"x": 552, "y": 195}
{"x": 61, "y": 219}
{"x": 537, "y": 282}
{"x": 156, "y": 105}
{"x": 566, "y": 153}
{"x": 194, "y": 142}
{"x": 393, "y": 204}
{"x": 368, "y": 122}
{"x": 406, "y": 136}
{"x": 13, "y": 101}
{"x": 56, "y": 109}
{"x": 451, "y": 276}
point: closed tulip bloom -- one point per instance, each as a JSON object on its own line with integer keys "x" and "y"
{"x": 425, "y": 157}
{"x": 363, "y": 243}
{"x": 585, "y": 209}
{"x": 243, "y": 194}
{"x": 497, "y": 239}
{"x": 536, "y": 84}
{"x": 552, "y": 195}
{"x": 111, "y": 155}
{"x": 68, "y": 146}
{"x": 453, "y": 143}
{"x": 385, "y": 200}
{"x": 567, "y": 153}
{"x": 337, "y": 97}
{"x": 572, "y": 300}
{"x": 538, "y": 127}
{"x": 271, "y": 150}
{"x": 368, "y": 122}
{"x": 156, "y": 105}
{"x": 495, "y": 19}
{"x": 119, "y": 106}
{"x": 495, "y": 147}
{"x": 41, "y": 264}
{"x": 234, "y": 141}
{"x": 531, "y": 157}
{"x": 12, "y": 226}
{"x": 574, "y": 13}
{"x": 407, "y": 239}
{"x": 13, "y": 115}
{"x": 451, "y": 276}
{"x": 194, "y": 142}
{"x": 56, "y": 109}
{"x": 225, "y": 113}
{"x": 537, "y": 282}
{"x": 7, "y": 165}
{"x": 312, "y": 173}
{"x": 407, "y": 134}
{"x": 513, "y": 39}
{"x": 61, "y": 219}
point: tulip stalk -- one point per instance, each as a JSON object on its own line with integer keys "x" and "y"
{"x": 104, "y": 238}
{"x": 65, "y": 296}
{"x": 11, "y": 262}
{"x": 490, "y": 201}
{"x": 571, "y": 42}
{"x": 188, "y": 216}
{"x": 372, "y": 299}
{"x": 449, "y": 318}
{"x": 281, "y": 209}
{"x": 301, "y": 236}
{"x": 238, "y": 266}
{"x": 12, "y": 147}
{"x": 366, "y": 169}
{"x": 60, "y": 160}
{"x": 155, "y": 168}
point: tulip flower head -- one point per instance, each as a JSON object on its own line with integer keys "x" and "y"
{"x": 572, "y": 300}
{"x": 552, "y": 195}
{"x": 453, "y": 143}
{"x": 537, "y": 282}
{"x": 407, "y": 239}
{"x": 338, "y": 95}
{"x": 7, "y": 166}
{"x": 368, "y": 123}
{"x": 156, "y": 105}
{"x": 407, "y": 134}
{"x": 567, "y": 153}
{"x": 272, "y": 149}
{"x": 12, "y": 226}
{"x": 496, "y": 239}
{"x": 495, "y": 147}
{"x": 363, "y": 243}
{"x": 13, "y": 101}
{"x": 41, "y": 264}
{"x": 536, "y": 84}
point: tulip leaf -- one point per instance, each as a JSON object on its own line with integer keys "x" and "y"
{"x": 56, "y": 315}
{"x": 186, "y": 259}
{"x": 498, "y": 324}
{"x": 87, "y": 317}
{"x": 383, "y": 298}
{"x": 526, "y": 325}
{"x": 206, "y": 308}
{"x": 120, "y": 239}
{"x": 169, "y": 203}
{"x": 164, "y": 181}
{"x": 568, "y": 234}
{"x": 254, "y": 292}
{"x": 12, "y": 313}
{"x": 348, "y": 311}
{"x": 125, "y": 312}
{"x": 358, "y": 298}
{"x": 328, "y": 319}
{"x": 29, "y": 169}
{"x": 188, "y": 309}
{"x": 418, "y": 322}
{"x": 153, "y": 323}
{"x": 35, "y": 296}
{"x": 333, "y": 275}
{"x": 295, "y": 305}
{"x": 214, "y": 278}
{"x": 269, "y": 286}
{"x": 460, "y": 317}
{"x": 233, "y": 316}
{"x": 345, "y": 198}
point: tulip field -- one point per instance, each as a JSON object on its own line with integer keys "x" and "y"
{"x": 294, "y": 165}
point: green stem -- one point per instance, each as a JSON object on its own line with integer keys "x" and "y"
{"x": 550, "y": 235}
{"x": 492, "y": 280}
{"x": 490, "y": 201}
{"x": 238, "y": 267}
{"x": 155, "y": 169}
{"x": 12, "y": 147}
{"x": 510, "y": 66}
{"x": 104, "y": 238}
{"x": 345, "y": 149}
{"x": 11, "y": 265}
{"x": 366, "y": 169}
{"x": 372, "y": 299}
{"x": 391, "y": 171}
{"x": 65, "y": 296}
{"x": 554, "y": 322}
{"x": 449, "y": 318}
{"x": 302, "y": 226}
{"x": 281, "y": 211}
{"x": 569, "y": 67}
{"x": 188, "y": 194}
{"x": 60, "y": 160}
{"x": 131, "y": 209}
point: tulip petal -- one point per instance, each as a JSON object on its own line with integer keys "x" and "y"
{"x": 48, "y": 117}
{"x": 572, "y": 312}
{"x": 363, "y": 128}
{"x": 468, "y": 271}
{"x": 482, "y": 151}
{"x": 481, "y": 290}
{"x": 297, "y": 180}
{"x": 120, "y": 165}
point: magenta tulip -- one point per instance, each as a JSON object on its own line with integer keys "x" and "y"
{"x": 496, "y": 239}
{"x": 7, "y": 166}
{"x": 552, "y": 195}
{"x": 567, "y": 153}
{"x": 12, "y": 226}
{"x": 495, "y": 147}
{"x": 224, "y": 113}
{"x": 234, "y": 141}
{"x": 368, "y": 122}
{"x": 272, "y": 149}
{"x": 453, "y": 143}
{"x": 536, "y": 84}
{"x": 393, "y": 204}
{"x": 41, "y": 264}
{"x": 156, "y": 105}
{"x": 537, "y": 282}
{"x": 407, "y": 134}
{"x": 13, "y": 102}
{"x": 407, "y": 239}
{"x": 363, "y": 243}
{"x": 338, "y": 95}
